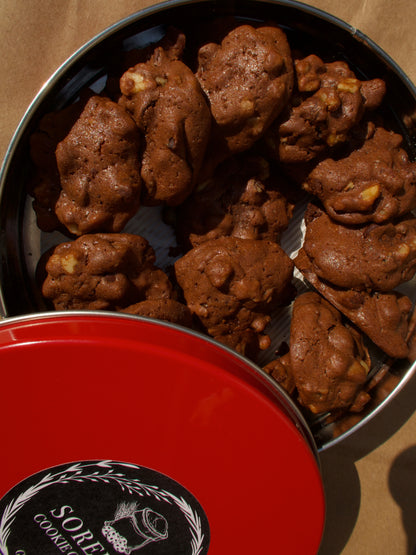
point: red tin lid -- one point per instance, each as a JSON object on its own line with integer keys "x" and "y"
{"x": 111, "y": 422}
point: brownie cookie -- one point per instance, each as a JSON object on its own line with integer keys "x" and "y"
{"x": 382, "y": 316}
{"x": 248, "y": 79}
{"x": 173, "y": 44}
{"x": 242, "y": 339}
{"x": 45, "y": 185}
{"x": 168, "y": 105}
{"x": 324, "y": 119}
{"x": 245, "y": 198}
{"x": 104, "y": 271}
{"x": 411, "y": 338}
{"x": 232, "y": 285}
{"x": 281, "y": 371}
{"x": 375, "y": 183}
{"x": 328, "y": 360}
{"x": 371, "y": 257}
{"x": 165, "y": 309}
{"x": 99, "y": 170}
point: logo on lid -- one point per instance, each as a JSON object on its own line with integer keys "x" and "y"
{"x": 101, "y": 507}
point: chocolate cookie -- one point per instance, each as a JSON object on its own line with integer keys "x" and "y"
{"x": 248, "y": 79}
{"x": 245, "y": 198}
{"x": 281, "y": 371}
{"x": 375, "y": 183}
{"x": 411, "y": 338}
{"x": 232, "y": 285}
{"x": 368, "y": 257}
{"x": 168, "y": 310}
{"x": 381, "y": 316}
{"x": 99, "y": 170}
{"x": 328, "y": 360}
{"x": 168, "y": 105}
{"x": 45, "y": 185}
{"x": 324, "y": 119}
{"x": 104, "y": 271}
{"x": 173, "y": 44}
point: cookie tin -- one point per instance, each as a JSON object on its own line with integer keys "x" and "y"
{"x": 23, "y": 244}
{"x": 125, "y": 435}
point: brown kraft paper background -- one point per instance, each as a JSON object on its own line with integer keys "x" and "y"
{"x": 370, "y": 478}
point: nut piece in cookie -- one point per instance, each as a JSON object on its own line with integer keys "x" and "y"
{"x": 375, "y": 183}
{"x": 248, "y": 79}
{"x": 245, "y": 198}
{"x": 316, "y": 122}
{"x": 328, "y": 360}
{"x": 104, "y": 271}
{"x": 166, "y": 102}
{"x": 382, "y": 316}
{"x": 376, "y": 257}
{"x": 99, "y": 169}
{"x": 168, "y": 310}
{"x": 232, "y": 285}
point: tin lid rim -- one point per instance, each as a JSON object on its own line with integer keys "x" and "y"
{"x": 286, "y": 404}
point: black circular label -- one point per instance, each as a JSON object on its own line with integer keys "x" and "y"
{"x": 101, "y": 508}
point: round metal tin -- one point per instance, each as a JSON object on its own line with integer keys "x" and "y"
{"x": 308, "y": 29}
{"x": 89, "y": 400}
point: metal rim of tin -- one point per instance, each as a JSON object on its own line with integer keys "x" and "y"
{"x": 220, "y": 4}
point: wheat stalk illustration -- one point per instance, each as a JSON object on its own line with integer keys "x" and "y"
{"x": 194, "y": 522}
